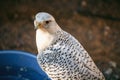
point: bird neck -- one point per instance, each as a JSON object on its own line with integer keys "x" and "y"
{"x": 43, "y": 40}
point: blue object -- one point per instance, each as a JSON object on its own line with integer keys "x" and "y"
{"x": 19, "y": 65}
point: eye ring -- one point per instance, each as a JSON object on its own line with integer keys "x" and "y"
{"x": 47, "y": 22}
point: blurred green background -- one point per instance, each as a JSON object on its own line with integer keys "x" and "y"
{"x": 95, "y": 23}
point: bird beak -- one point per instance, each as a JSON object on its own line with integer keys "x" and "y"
{"x": 37, "y": 24}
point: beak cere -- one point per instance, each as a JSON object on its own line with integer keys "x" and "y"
{"x": 38, "y": 24}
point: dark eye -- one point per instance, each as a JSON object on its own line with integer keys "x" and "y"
{"x": 47, "y": 22}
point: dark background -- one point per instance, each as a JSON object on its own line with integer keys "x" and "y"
{"x": 95, "y": 23}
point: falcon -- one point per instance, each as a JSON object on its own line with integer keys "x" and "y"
{"x": 60, "y": 55}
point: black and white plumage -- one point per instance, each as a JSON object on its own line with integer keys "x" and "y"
{"x": 60, "y": 55}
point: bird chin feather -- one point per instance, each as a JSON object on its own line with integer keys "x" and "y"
{"x": 43, "y": 39}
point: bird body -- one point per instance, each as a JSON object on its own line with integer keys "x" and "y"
{"x": 60, "y": 55}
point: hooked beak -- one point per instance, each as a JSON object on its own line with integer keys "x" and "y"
{"x": 37, "y": 24}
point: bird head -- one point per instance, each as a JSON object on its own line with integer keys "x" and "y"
{"x": 46, "y": 22}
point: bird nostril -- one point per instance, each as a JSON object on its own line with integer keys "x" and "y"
{"x": 38, "y": 25}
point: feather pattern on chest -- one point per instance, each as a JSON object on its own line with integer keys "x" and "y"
{"x": 66, "y": 59}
